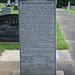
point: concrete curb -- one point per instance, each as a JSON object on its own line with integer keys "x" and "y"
{"x": 60, "y": 73}
{"x": 17, "y": 72}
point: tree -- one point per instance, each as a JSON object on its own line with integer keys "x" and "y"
{"x": 72, "y": 2}
{"x": 5, "y": 1}
{"x": 61, "y": 3}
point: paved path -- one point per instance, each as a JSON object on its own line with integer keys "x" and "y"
{"x": 7, "y": 68}
{"x": 10, "y": 55}
{"x": 67, "y": 25}
{"x": 9, "y": 62}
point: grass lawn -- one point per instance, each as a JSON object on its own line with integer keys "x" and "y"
{"x": 12, "y": 11}
{"x": 10, "y": 46}
{"x": 70, "y": 11}
{"x": 60, "y": 40}
{"x": 1, "y": 6}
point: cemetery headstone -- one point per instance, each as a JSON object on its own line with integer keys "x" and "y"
{"x": 6, "y": 10}
{"x": 16, "y": 5}
{"x": 37, "y": 32}
{"x": 9, "y": 29}
{"x": 13, "y": 3}
{"x": 68, "y": 5}
{"x": 72, "y": 7}
{"x": 8, "y": 3}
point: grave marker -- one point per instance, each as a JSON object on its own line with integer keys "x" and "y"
{"x": 37, "y": 30}
{"x": 6, "y": 10}
{"x": 16, "y": 5}
{"x": 8, "y": 3}
{"x": 9, "y": 29}
{"x": 68, "y": 5}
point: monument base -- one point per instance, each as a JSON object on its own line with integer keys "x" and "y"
{"x": 15, "y": 7}
{"x": 17, "y": 72}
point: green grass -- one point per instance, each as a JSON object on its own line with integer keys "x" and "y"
{"x": 10, "y": 46}
{"x": 12, "y": 9}
{"x": 1, "y": 6}
{"x": 70, "y": 11}
{"x": 60, "y": 40}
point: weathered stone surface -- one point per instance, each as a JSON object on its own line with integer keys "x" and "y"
{"x": 37, "y": 36}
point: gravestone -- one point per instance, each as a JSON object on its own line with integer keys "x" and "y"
{"x": 9, "y": 29}
{"x": 16, "y": 5}
{"x": 72, "y": 7}
{"x": 68, "y": 5}
{"x": 37, "y": 33}
{"x": 13, "y": 3}
{"x": 8, "y": 3}
{"x": 6, "y": 10}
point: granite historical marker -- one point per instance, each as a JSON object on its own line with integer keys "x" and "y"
{"x": 37, "y": 29}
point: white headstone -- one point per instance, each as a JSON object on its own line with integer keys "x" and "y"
{"x": 8, "y": 3}
{"x": 68, "y": 5}
{"x": 16, "y": 5}
{"x": 16, "y": 2}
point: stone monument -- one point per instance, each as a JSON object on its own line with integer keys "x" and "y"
{"x": 37, "y": 32}
{"x": 16, "y": 5}
{"x": 8, "y": 3}
{"x": 6, "y": 10}
{"x": 68, "y": 5}
{"x": 9, "y": 28}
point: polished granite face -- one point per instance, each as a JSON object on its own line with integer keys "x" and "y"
{"x": 9, "y": 29}
{"x": 37, "y": 36}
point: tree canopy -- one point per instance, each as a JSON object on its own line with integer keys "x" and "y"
{"x": 61, "y": 3}
{"x": 5, "y": 1}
